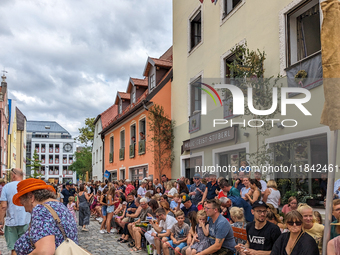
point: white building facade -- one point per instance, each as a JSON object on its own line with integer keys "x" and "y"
{"x": 97, "y": 151}
{"x": 55, "y": 147}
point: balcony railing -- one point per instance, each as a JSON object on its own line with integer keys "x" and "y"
{"x": 43, "y": 150}
{"x": 141, "y": 147}
{"x": 121, "y": 153}
{"x": 43, "y": 161}
{"x": 57, "y": 161}
{"x": 51, "y": 161}
{"x": 70, "y": 161}
{"x": 132, "y": 150}
{"x": 37, "y": 149}
{"x": 64, "y": 161}
{"x": 51, "y": 150}
{"x": 111, "y": 157}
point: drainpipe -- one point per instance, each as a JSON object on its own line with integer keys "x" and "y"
{"x": 103, "y": 140}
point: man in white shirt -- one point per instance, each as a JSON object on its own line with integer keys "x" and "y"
{"x": 161, "y": 231}
{"x": 142, "y": 190}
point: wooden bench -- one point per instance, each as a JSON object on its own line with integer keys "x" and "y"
{"x": 240, "y": 233}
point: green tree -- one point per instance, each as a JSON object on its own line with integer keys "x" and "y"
{"x": 162, "y": 139}
{"x": 87, "y": 132}
{"x": 82, "y": 163}
{"x": 35, "y": 164}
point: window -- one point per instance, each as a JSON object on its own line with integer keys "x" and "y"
{"x": 96, "y": 156}
{"x": 133, "y": 95}
{"x": 195, "y": 30}
{"x": 152, "y": 82}
{"x": 195, "y": 96}
{"x": 133, "y": 134}
{"x": 230, "y": 5}
{"x": 142, "y": 130}
{"x": 120, "y": 106}
{"x": 303, "y": 31}
{"x": 122, "y": 139}
{"x": 111, "y": 149}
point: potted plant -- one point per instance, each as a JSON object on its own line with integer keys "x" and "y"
{"x": 311, "y": 201}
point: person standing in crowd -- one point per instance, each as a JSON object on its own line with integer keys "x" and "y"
{"x": 2, "y": 184}
{"x": 129, "y": 187}
{"x": 103, "y": 202}
{"x": 197, "y": 189}
{"x": 150, "y": 188}
{"x": 296, "y": 241}
{"x": 17, "y": 219}
{"x": 291, "y": 206}
{"x": 44, "y": 235}
{"x": 222, "y": 241}
{"x": 310, "y": 225}
{"x": 157, "y": 184}
{"x": 136, "y": 184}
{"x": 72, "y": 189}
{"x": 239, "y": 182}
{"x": 210, "y": 190}
{"x": 110, "y": 208}
{"x": 142, "y": 190}
{"x": 182, "y": 188}
{"x": 272, "y": 195}
{"x": 84, "y": 207}
{"x": 335, "y": 225}
{"x": 261, "y": 234}
{"x": 227, "y": 190}
{"x": 121, "y": 187}
{"x": 173, "y": 190}
{"x": 258, "y": 177}
{"x": 164, "y": 180}
{"x": 246, "y": 189}
{"x": 66, "y": 193}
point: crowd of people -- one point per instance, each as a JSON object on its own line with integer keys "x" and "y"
{"x": 165, "y": 215}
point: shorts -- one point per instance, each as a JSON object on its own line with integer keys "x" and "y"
{"x": 110, "y": 209}
{"x": 104, "y": 210}
{"x": 181, "y": 245}
{"x": 12, "y": 234}
{"x": 224, "y": 251}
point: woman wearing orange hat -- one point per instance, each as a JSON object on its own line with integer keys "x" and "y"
{"x": 43, "y": 235}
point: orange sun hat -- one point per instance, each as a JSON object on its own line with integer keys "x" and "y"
{"x": 29, "y": 185}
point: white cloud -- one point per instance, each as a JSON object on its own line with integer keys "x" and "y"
{"x": 67, "y": 59}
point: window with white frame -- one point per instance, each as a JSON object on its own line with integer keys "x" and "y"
{"x": 120, "y": 106}
{"x": 303, "y": 26}
{"x": 195, "y": 30}
{"x": 122, "y": 139}
{"x": 152, "y": 81}
{"x": 142, "y": 129}
{"x": 195, "y": 96}
{"x": 133, "y": 94}
{"x": 133, "y": 134}
{"x": 229, "y": 6}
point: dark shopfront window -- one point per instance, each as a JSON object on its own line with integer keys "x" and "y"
{"x": 190, "y": 167}
{"x": 302, "y": 154}
{"x": 232, "y": 159}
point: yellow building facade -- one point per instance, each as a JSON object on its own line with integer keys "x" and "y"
{"x": 204, "y": 35}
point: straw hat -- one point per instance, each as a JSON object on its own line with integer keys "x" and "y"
{"x": 29, "y": 185}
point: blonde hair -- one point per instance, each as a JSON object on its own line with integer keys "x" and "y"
{"x": 303, "y": 207}
{"x": 168, "y": 185}
{"x": 237, "y": 213}
{"x": 179, "y": 213}
{"x": 71, "y": 199}
{"x": 201, "y": 214}
{"x": 272, "y": 184}
{"x": 157, "y": 197}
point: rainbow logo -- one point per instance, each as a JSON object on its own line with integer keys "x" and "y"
{"x": 209, "y": 93}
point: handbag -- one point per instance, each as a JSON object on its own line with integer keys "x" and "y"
{"x": 67, "y": 247}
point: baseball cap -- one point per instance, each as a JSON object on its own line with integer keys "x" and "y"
{"x": 68, "y": 183}
{"x": 185, "y": 198}
{"x": 258, "y": 204}
{"x": 197, "y": 176}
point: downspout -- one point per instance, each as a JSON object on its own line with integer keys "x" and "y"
{"x": 103, "y": 140}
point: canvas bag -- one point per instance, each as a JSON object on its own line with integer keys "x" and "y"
{"x": 68, "y": 247}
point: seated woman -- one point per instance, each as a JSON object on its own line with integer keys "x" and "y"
{"x": 333, "y": 246}
{"x": 296, "y": 241}
{"x": 137, "y": 232}
{"x": 43, "y": 236}
{"x": 291, "y": 206}
{"x": 272, "y": 195}
{"x": 130, "y": 219}
{"x": 255, "y": 194}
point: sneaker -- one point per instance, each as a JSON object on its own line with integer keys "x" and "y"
{"x": 85, "y": 229}
{"x": 113, "y": 230}
{"x": 102, "y": 231}
{"x": 99, "y": 218}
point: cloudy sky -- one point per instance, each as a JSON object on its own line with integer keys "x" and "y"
{"x": 66, "y": 59}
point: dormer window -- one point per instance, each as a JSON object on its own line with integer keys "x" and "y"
{"x": 152, "y": 82}
{"x": 120, "y": 106}
{"x": 133, "y": 95}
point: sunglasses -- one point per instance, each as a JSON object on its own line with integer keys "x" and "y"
{"x": 297, "y": 223}
{"x": 12, "y": 170}
{"x": 196, "y": 178}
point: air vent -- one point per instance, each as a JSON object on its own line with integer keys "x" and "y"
{"x": 47, "y": 127}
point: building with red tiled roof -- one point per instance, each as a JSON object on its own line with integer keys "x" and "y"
{"x": 127, "y": 136}
{"x": 3, "y": 122}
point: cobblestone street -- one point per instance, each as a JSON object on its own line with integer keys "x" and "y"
{"x": 93, "y": 241}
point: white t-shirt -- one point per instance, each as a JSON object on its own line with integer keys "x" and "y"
{"x": 168, "y": 223}
{"x": 172, "y": 192}
{"x": 274, "y": 198}
{"x": 263, "y": 185}
{"x": 141, "y": 191}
